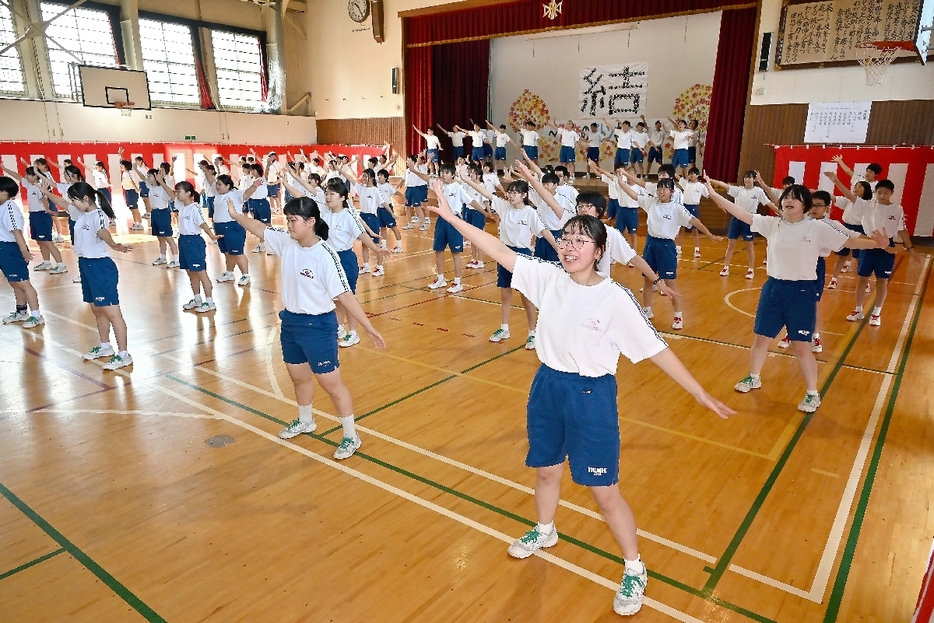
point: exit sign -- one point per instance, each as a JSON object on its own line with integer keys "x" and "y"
{"x": 190, "y": 138}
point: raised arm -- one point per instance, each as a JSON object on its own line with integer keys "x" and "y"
{"x": 252, "y": 188}
{"x": 531, "y": 164}
{"x": 546, "y": 195}
{"x": 46, "y": 187}
{"x": 632, "y": 179}
{"x": 160, "y": 178}
{"x": 718, "y": 184}
{"x": 597, "y": 169}
{"x": 727, "y": 205}
{"x": 440, "y": 127}
{"x": 843, "y": 189}
{"x": 419, "y": 132}
{"x": 415, "y": 171}
{"x": 257, "y": 228}
{"x": 839, "y": 160}
{"x": 349, "y": 173}
{"x": 767, "y": 189}
{"x": 208, "y": 175}
{"x": 16, "y": 176}
{"x": 480, "y": 188}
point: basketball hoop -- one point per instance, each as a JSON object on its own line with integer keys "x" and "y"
{"x": 876, "y": 56}
{"x": 125, "y": 108}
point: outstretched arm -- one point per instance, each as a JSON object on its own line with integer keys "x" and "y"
{"x": 839, "y": 160}
{"x": 843, "y": 189}
{"x": 480, "y": 188}
{"x": 727, "y": 205}
{"x": 672, "y": 366}
{"x": 546, "y": 195}
{"x": 632, "y": 179}
{"x": 16, "y": 176}
{"x": 46, "y": 189}
{"x": 696, "y": 222}
{"x": 766, "y": 189}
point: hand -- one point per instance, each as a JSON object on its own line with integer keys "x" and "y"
{"x": 716, "y": 238}
{"x": 665, "y": 290}
{"x": 28, "y": 256}
{"x": 386, "y": 254}
{"x": 122, "y": 248}
{"x": 838, "y": 159}
{"x": 915, "y": 256}
{"x": 830, "y": 175}
{"x": 256, "y": 184}
{"x": 174, "y": 158}
{"x": 714, "y": 405}
{"x": 880, "y": 239}
{"x": 378, "y": 340}
{"x": 592, "y": 165}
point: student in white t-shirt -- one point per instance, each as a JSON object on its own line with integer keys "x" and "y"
{"x": 192, "y": 250}
{"x": 369, "y": 198}
{"x": 530, "y": 141}
{"x": 500, "y": 139}
{"x": 161, "y": 199}
{"x": 231, "y": 235}
{"x": 15, "y": 257}
{"x": 623, "y": 136}
{"x": 586, "y": 321}
{"x": 657, "y": 137}
{"x": 475, "y": 212}
{"x": 457, "y": 140}
{"x": 692, "y": 189}
{"x": 312, "y": 279}
{"x": 640, "y": 146}
{"x": 622, "y": 208}
{"x": 309, "y": 186}
{"x": 871, "y": 175}
{"x": 432, "y": 150}
{"x": 568, "y": 137}
{"x": 387, "y": 220}
{"x": 446, "y": 236}
{"x": 748, "y": 197}
{"x": 851, "y": 220}
{"x": 41, "y": 220}
{"x": 789, "y": 296}
{"x": 416, "y": 193}
{"x": 681, "y": 142}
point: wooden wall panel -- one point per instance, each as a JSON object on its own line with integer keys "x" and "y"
{"x": 891, "y": 123}
{"x": 376, "y": 131}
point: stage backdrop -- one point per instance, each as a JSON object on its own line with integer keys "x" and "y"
{"x": 911, "y": 169}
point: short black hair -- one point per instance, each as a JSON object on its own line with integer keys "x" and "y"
{"x": 875, "y": 167}
{"x": 694, "y": 170}
{"x": 799, "y": 192}
{"x": 822, "y": 195}
{"x": 588, "y": 226}
{"x": 667, "y": 168}
{"x": 550, "y": 178}
{"x": 666, "y": 182}
{"x": 597, "y": 200}
{"x": 9, "y": 185}
{"x": 788, "y": 180}
{"x": 885, "y": 184}
{"x": 447, "y": 167}
{"x": 562, "y": 169}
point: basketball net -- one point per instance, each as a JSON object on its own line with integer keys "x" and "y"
{"x": 876, "y": 56}
{"x": 125, "y": 108}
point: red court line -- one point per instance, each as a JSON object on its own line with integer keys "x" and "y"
{"x": 72, "y": 399}
{"x": 67, "y": 369}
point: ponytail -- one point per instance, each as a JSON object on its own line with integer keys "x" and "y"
{"x": 188, "y": 188}
{"x": 307, "y": 208}
{"x": 85, "y": 192}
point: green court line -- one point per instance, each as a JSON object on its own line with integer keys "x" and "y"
{"x": 122, "y": 591}
{"x": 31, "y": 563}
{"x": 849, "y": 550}
{"x": 724, "y": 561}
{"x": 214, "y": 339}
{"x": 486, "y": 505}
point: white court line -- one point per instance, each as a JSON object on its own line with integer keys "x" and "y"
{"x": 270, "y": 371}
{"x": 470, "y": 523}
{"x": 726, "y": 299}
{"x": 118, "y": 412}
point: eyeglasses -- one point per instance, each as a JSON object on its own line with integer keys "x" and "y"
{"x": 575, "y": 243}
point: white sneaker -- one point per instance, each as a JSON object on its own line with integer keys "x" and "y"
{"x": 784, "y": 342}
{"x": 59, "y": 269}
{"x": 379, "y": 271}
{"x": 457, "y": 287}
{"x": 439, "y": 282}
{"x": 648, "y": 312}
{"x": 190, "y": 305}
{"x": 77, "y": 279}
{"x": 32, "y": 322}
{"x": 531, "y": 542}
{"x": 875, "y": 320}
{"x": 225, "y": 277}
{"x": 725, "y": 272}
{"x": 678, "y": 249}
{"x": 816, "y": 346}
{"x": 397, "y": 248}
{"x": 868, "y": 288}
{"x": 696, "y": 252}
{"x": 99, "y": 351}
{"x": 136, "y": 227}
{"x": 350, "y": 339}
{"x": 43, "y": 266}
{"x": 748, "y": 383}
{"x": 347, "y": 447}
{"x": 678, "y": 323}
{"x": 471, "y": 264}
{"x": 205, "y": 307}
{"x": 479, "y": 264}
{"x": 407, "y": 227}
{"x": 365, "y": 269}
{"x": 530, "y": 343}
{"x": 244, "y": 281}
{"x": 172, "y": 264}
{"x": 499, "y": 335}
{"x": 628, "y": 600}
{"x": 855, "y": 315}
{"x": 57, "y": 238}
{"x": 833, "y": 284}
{"x": 846, "y": 268}
{"x": 296, "y": 428}
{"x": 810, "y": 403}
{"x": 424, "y": 226}
{"x": 147, "y": 215}
{"x": 118, "y": 362}
{"x": 16, "y": 317}
{"x": 416, "y": 219}
{"x": 750, "y": 273}
{"x": 159, "y": 261}
{"x": 258, "y": 249}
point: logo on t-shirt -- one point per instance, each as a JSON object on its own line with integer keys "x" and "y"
{"x": 306, "y": 272}
{"x": 592, "y": 324}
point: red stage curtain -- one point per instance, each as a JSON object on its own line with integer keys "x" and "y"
{"x": 418, "y": 101}
{"x": 730, "y": 88}
{"x": 460, "y": 84}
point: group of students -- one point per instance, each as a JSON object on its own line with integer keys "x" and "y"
{"x": 553, "y": 247}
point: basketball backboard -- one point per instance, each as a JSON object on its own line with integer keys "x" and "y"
{"x": 104, "y": 87}
{"x": 923, "y": 30}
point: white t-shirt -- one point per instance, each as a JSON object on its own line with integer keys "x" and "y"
{"x": 222, "y": 210}
{"x": 617, "y": 250}
{"x": 825, "y": 252}
{"x": 657, "y": 137}
{"x": 623, "y": 138}
{"x": 344, "y": 228}
{"x": 594, "y": 139}
{"x": 312, "y": 277}
{"x": 612, "y": 188}
{"x": 11, "y": 219}
{"x": 457, "y": 197}
{"x": 665, "y": 219}
{"x": 432, "y": 141}
{"x": 569, "y": 138}
{"x": 488, "y": 135}
{"x": 412, "y": 180}
{"x": 876, "y": 216}
{"x": 158, "y": 198}
{"x": 476, "y": 137}
{"x": 851, "y": 215}
{"x": 73, "y": 212}
{"x": 87, "y": 243}
{"x": 681, "y": 138}
{"x": 748, "y": 198}
{"x": 502, "y": 139}
{"x": 529, "y": 137}
{"x": 491, "y": 181}
{"x": 259, "y": 192}
{"x": 126, "y": 181}
{"x": 584, "y": 329}
{"x": 651, "y": 188}
{"x": 793, "y": 248}
{"x": 386, "y": 191}
{"x": 273, "y": 172}
{"x": 100, "y": 179}
{"x": 141, "y": 174}
{"x": 369, "y": 198}
{"x": 317, "y": 196}
{"x": 551, "y": 220}
{"x": 567, "y": 191}
{"x": 517, "y": 225}
{"x": 33, "y": 197}
{"x": 457, "y": 138}
{"x": 190, "y": 220}
{"x": 207, "y": 188}
{"x": 692, "y": 191}
{"x": 640, "y": 140}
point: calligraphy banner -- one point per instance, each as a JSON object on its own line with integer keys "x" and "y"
{"x": 613, "y": 90}
{"x": 837, "y": 122}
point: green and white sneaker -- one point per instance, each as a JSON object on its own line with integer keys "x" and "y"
{"x": 33, "y": 321}
{"x": 159, "y": 261}
{"x": 99, "y": 351}
{"x": 16, "y": 317}
{"x": 810, "y": 403}
{"x": 296, "y": 427}
{"x": 192, "y": 304}
{"x": 348, "y": 446}
{"x": 499, "y": 335}
{"x": 351, "y": 338}
{"x": 531, "y": 542}
{"x": 117, "y": 362}
{"x": 628, "y": 600}
{"x": 59, "y": 269}
{"x": 530, "y": 343}
{"x": 748, "y": 383}
{"x": 205, "y": 307}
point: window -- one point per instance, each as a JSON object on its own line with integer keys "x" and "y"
{"x": 85, "y": 34}
{"x": 169, "y": 61}
{"x": 239, "y": 67}
{"x": 11, "y": 67}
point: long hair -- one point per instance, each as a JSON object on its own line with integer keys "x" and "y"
{"x": 307, "y": 208}
{"x": 75, "y": 172}
{"x": 86, "y": 192}
{"x": 188, "y": 188}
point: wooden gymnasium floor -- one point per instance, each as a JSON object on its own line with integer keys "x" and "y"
{"x": 114, "y": 508}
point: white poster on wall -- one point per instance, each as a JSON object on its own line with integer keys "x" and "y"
{"x": 837, "y": 122}
{"x": 613, "y": 90}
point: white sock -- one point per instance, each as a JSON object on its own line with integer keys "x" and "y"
{"x": 209, "y": 300}
{"x": 198, "y": 299}
{"x": 340, "y": 328}
{"x": 35, "y": 313}
{"x": 105, "y": 346}
{"x": 677, "y": 314}
{"x": 876, "y": 311}
{"x": 859, "y": 308}
{"x": 457, "y": 280}
{"x": 531, "y": 332}
{"x": 304, "y": 414}
{"x": 366, "y": 265}
{"x": 379, "y": 267}
{"x": 504, "y": 327}
{"x": 349, "y": 430}
{"x": 647, "y": 309}
{"x": 815, "y": 336}
{"x": 124, "y": 354}
{"x": 813, "y": 392}
{"x": 545, "y": 528}
{"x": 635, "y": 566}
{"x": 755, "y": 376}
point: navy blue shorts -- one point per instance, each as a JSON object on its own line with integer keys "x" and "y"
{"x": 192, "y": 254}
{"x": 695, "y": 212}
{"x": 71, "y": 230}
{"x": 500, "y": 153}
{"x": 593, "y": 153}
{"x": 12, "y": 263}
{"x": 636, "y": 155}
{"x": 457, "y": 151}
{"x": 661, "y": 256}
{"x": 567, "y": 154}
{"x": 627, "y": 220}
{"x": 503, "y": 276}
{"x": 692, "y": 154}
{"x": 431, "y": 155}
{"x": 680, "y": 158}
{"x": 612, "y": 208}
{"x": 622, "y": 158}
{"x": 310, "y": 339}
{"x": 386, "y": 219}
{"x": 99, "y": 279}
{"x": 372, "y": 221}
{"x": 476, "y": 153}
{"x": 447, "y": 237}
{"x": 349, "y": 262}
{"x": 739, "y": 229}
{"x": 878, "y": 262}
{"x": 847, "y": 250}
{"x": 210, "y": 201}
{"x": 416, "y": 196}
{"x": 143, "y": 189}
{"x": 132, "y": 198}
{"x": 261, "y": 210}
{"x": 790, "y": 304}
{"x": 272, "y": 190}
{"x": 487, "y": 150}
{"x": 574, "y": 417}
{"x": 234, "y": 237}
{"x": 161, "y": 223}
{"x": 655, "y": 155}
{"x": 107, "y": 195}
{"x": 476, "y": 218}
{"x": 544, "y": 250}
{"x": 531, "y": 151}
{"x": 40, "y": 226}
{"x": 821, "y": 277}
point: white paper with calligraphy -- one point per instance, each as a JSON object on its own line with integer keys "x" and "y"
{"x": 613, "y": 90}
{"x": 839, "y": 122}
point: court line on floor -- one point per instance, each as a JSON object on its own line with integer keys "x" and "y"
{"x": 99, "y": 572}
{"x": 270, "y": 371}
{"x": 32, "y": 563}
{"x": 445, "y": 512}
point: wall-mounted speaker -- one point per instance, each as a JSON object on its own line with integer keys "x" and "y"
{"x": 395, "y": 81}
{"x": 765, "y": 51}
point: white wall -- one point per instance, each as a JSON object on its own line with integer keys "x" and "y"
{"x": 904, "y": 81}
{"x": 680, "y": 51}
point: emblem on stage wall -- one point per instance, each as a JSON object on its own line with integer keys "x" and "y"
{"x": 552, "y": 9}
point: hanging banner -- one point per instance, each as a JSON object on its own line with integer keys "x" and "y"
{"x": 613, "y": 90}
{"x": 837, "y": 122}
